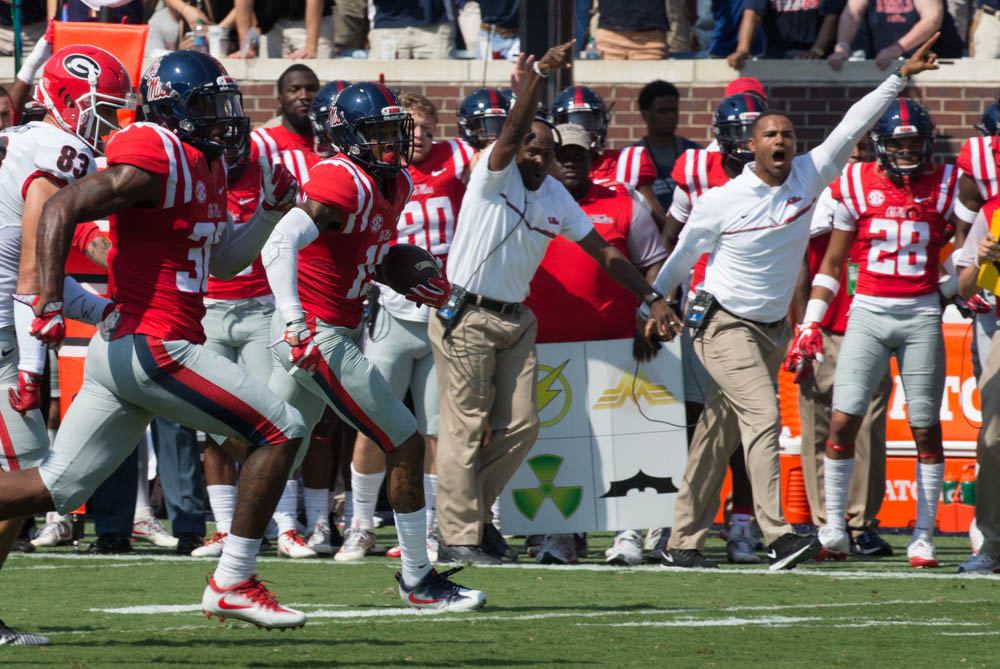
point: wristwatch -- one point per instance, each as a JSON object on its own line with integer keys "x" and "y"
{"x": 651, "y": 297}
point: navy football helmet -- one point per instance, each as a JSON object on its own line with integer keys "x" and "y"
{"x": 319, "y": 115}
{"x": 904, "y": 118}
{"x": 190, "y": 93}
{"x": 988, "y": 124}
{"x": 732, "y": 121}
{"x": 582, "y": 106}
{"x": 368, "y": 124}
{"x": 481, "y": 116}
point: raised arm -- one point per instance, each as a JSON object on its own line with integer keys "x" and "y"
{"x": 518, "y": 122}
{"x": 831, "y": 156}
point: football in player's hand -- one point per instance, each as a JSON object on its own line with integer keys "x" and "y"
{"x": 406, "y": 266}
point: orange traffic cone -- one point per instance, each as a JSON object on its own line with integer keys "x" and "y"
{"x": 796, "y": 503}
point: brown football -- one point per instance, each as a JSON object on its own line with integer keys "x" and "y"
{"x": 405, "y": 266}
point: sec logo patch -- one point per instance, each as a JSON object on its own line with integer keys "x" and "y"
{"x": 876, "y": 198}
{"x": 200, "y": 191}
{"x": 376, "y": 222}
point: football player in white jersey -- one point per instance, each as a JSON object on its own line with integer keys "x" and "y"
{"x": 82, "y": 89}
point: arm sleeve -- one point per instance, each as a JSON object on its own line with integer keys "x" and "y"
{"x": 241, "y": 245}
{"x": 970, "y": 249}
{"x": 830, "y": 157}
{"x": 31, "y": 351}
{"x": 643, "y": 242}
{"x": 680, "y": 208}
{"x": 280, "y": 256}
{"x": 842, "y": 219}
{"x": 699, "y": 235}
{"x": 82, "y": 305}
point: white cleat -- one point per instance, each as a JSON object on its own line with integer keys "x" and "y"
{"x": 557, "y": 549}
{"x": 56, "y": 530}
{"x": 152, "y": 531}
{"x": 626, "y": 549}
{"x": 250, "y": 601}
{"x": 437, "y": 593}
{"x": 922, "y": 554}
{"x": 212, "y": 547}
{"x": 976, "y": 537}
{"x": 319, "y": 540}
{"x": 979, "y": 564}
{"x": 836, "y": 544}
{"x": 357, "y": 543}
{"x": 740, "y": 545}
{"x": 291, "y": 545}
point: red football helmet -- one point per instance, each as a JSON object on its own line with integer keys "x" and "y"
{"x": 83, "y": 87}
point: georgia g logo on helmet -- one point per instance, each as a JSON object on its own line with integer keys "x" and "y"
{"x": 81, "y": 66}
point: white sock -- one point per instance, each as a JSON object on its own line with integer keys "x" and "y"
{"x": 56, "y": 517}
{"x": 317, "y": 503}
{"x": 430, "y": 499}
{"x": 836, "y": 481}
{"x": 495, "y": 510}
{"x": 238, "y": 561}
{"x": 929, "y": 479}
{"x": 284, "y": 514}
{"x": 740, "y": 520}
{"x": 52, "y": 436}
{"x": 365, "y": 491}
{"x": 412, "y": 531}
{"x": 222, "y": 499}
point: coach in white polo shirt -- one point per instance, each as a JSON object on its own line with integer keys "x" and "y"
{"x": 485, "y": 356}
{"x": 755, "y": 229}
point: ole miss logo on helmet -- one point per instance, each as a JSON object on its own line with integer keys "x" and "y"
{"x": 157, "y": 90}
{"x": 81, "y": 66}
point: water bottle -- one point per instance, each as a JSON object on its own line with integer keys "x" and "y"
{"x": 591, "y": 49}
{"x": 200, "y": 34}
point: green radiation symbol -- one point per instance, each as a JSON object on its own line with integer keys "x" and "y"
{"x": 529, "y": 500}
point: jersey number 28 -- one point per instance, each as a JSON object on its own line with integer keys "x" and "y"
{"x": 903, "y": 252}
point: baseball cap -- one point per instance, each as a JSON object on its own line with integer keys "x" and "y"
{"x": 745, "y": 85}
{"x": 573, "y": 134}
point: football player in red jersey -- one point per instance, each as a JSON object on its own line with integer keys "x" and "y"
{"x": 979, "y": 160}
{"x": 319, "y": 261}
{"x": 575, "y": 300}
{"x": 896, "y": 211}
{"x": 696, "y": 172}
{"x": 631, "y": 166}
{"x": 165, "y": 191}
{"x": 397, "y": 336}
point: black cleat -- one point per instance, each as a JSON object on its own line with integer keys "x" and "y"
{"x": 471, "y": 554}
{"x": 188, "y": 541}
{"x": 111, "y": 543}
{"x": 9, "y": 637}
{"x": 870, "y": 543}
{"x": 496, "y": 545}
{"x": 790, "y": 549}
{"x": 688, "y": 559}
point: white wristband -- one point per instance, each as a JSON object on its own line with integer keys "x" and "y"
{"x": 539, "y": 72}
{"x": 828, "y": 282}
{"x": 815, "y": 310}
{"x": 963, "y": 213}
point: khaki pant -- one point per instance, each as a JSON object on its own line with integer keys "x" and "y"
{"x": 486, "y": 370}
{"x": 436, "y": 42}
{"x": 988, "y": 478}
{"x": 743, "y": 359}
{"x": 289, "y": 35}
{"x": 984, "y": 36}
{"x": 350, "y": 24}
{"x": 864, "y": 497}
{"x": 631, "y": 45}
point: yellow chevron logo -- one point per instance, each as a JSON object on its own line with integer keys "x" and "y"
{"x": 640, "y": 386}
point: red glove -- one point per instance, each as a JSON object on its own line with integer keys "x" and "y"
{"x": 48, "y": 326}
{"x": 809, "y": 343}
{"x": 28, "y": 395}
{"x": 800, "y": 367}
{"x": 280, "y": 189}
{"x": 974, "y": 305}
{"x": 434, "y": 293}
{"x": 305, "y": 353}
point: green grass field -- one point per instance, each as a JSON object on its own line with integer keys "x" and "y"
{"x": 142, "y": 609}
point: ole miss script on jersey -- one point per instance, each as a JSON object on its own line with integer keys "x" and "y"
{"x": 159, "y": 261}
{"x": 979, "y": 158}
{"x": 696, "y": 171}
{"x": 429, "y": 219}
{"x": 291, "y": 149}
{"x": 244, "y": 197}
{"x": 899, "y": 232}
{"x": 631, "y": 165}
{"x": 335, "y": 269}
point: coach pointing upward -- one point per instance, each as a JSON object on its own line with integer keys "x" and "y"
{"x": 755, "y": 229}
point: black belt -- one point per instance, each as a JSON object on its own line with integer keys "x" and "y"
{"x": 772, "y": 324}
{"x": 502, "y": 308}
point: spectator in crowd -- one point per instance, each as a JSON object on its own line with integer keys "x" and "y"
{"x": 894, "y": 29}
{"x": 350, "y": 26}
{"x": 112, "y": 507}
{"x": 179, "y": 465}
{"x": 469, "y": 19}
{"x": 419, "y": 29}
{"x": 804, "y": 31}
{"x": 33, "y": 20}
{"x": 575, "y": 300}
{"x": 500, "y": 32}
{"x": 171, "y": 23}
{"x": 106, "y": 11}
{"x": 679, "y": 28}
{"x": 984, "y": 33}
{"x": 485, "y": 354}
{"x": 632, "y": 30}
{"x": 659, "y": 104}
{"x": 727, "y": 16}
{"x": 962, "y": 11}
{"x": 289, "y": 28}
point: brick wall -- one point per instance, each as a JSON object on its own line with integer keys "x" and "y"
{"x": 815, "y": 109}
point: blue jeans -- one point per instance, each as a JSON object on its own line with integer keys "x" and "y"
{"x": 112, "y": 505}
{"x": 179, "y": 466}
